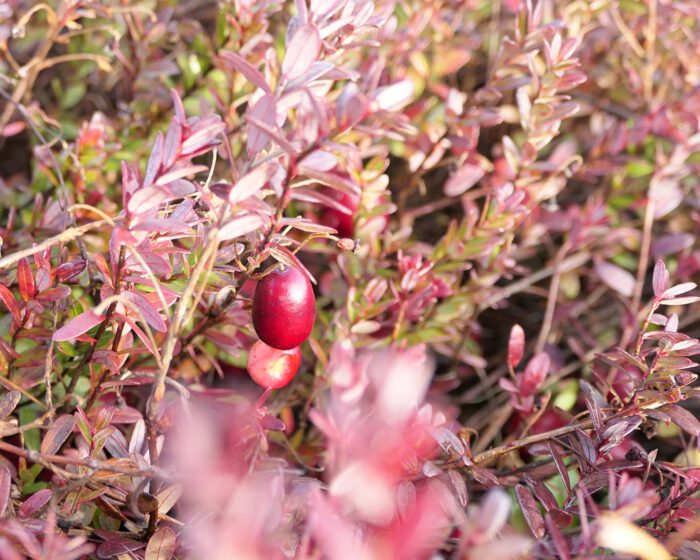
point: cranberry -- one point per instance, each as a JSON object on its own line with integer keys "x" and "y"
{"x": 270, "y": 367}
{"x": 343, "y": 223}
{"x": 284, "y": 308}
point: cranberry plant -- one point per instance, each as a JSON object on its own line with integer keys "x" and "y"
{"x": 349, "y": 279}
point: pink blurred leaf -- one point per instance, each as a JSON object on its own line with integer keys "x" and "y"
{"x": 616, "y": 278}
{"x": 248, "y": 70}
{"x": 77, "y": 326}
{"x": 463, "y": 179}
{"x": 678, "y": 290}
{"x": 240, "y": 225}
{"x": 394, "y": 97}
{"x": 252, "y": 182}
{"x": 264, "y": 110}
{"x": 302, "y": 51}
{"x": 180, "y": 173}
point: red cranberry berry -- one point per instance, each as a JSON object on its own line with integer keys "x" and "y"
{"x": 343, "y": 223}
{"x": 272, "y": 368}
{"x": 284, "y": 308}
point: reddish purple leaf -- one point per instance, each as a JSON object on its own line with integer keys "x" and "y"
{"x": 516, "y": 345}
{"x": 530, "y": 510}
{"x": 683, "y": 418}
{"x": 661, "y": 278}
{"x": 53, "y": 294}
{"x": 11, "y": 303}
{"x": 57, "y": 434}
{"x": 69, "y": 270}
{"x": 35, "y": 502}
{"x": 302, "y": 51}
{"x": 78, "y": 325}
{"x": 146, "y": 310}
{"x": 535, "y": 374}
{"x": 25, "y": 280}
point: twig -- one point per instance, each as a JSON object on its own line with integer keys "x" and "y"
{"x": 63, "y": 237}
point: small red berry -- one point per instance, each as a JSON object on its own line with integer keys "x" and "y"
{"x": 270, "y": 367}
{"x": 284, "y": 308}
{"x": 343, "y": 223}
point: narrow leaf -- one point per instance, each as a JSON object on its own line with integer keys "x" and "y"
{"x": 58, "y": 433}
{"x": 77, "y": 326}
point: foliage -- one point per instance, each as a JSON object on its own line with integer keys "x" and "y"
{"x": 502, "y": 358}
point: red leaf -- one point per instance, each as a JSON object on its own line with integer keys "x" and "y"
{"x": 302, "y": 51}
{"x": 147, "y": 311}
{"x": 162, "y": 545}
{"x": 516, "y": 345}
{"x": 11, "y": 303}
{"x": 247, "y": 69}
{"x": 69, "y": 270}
{"x": 57, "y": 434}
{"x": 77, "y": 326}
{"x": 25, "y": 279}
{"x": 53, "y": 294}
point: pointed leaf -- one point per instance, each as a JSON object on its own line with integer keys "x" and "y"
{"x": 77, "y": 326}
{"x": 57, "y": 434}
{"x": 25, "y": 280}
{"x": 302, "y": 51}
